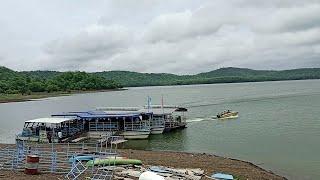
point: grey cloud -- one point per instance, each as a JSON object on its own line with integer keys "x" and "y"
{"x": 93, "y": 43}
{"x": 174, "y": 36}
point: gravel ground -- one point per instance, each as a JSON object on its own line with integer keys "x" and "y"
{"x": 208, "y": 163}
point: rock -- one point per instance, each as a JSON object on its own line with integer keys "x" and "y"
{"x": 119, "y": 168}
{"x": 132, "y": 173}
{"x": 118, "y": 178}
{"x": 197, "y": 172}
{"x": 148, "y": 175}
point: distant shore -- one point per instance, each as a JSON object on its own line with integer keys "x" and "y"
{"x": 7, "y": 98}
{"x": 241, "y": 170}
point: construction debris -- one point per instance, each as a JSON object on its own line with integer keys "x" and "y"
{"x": 134, "y": 172}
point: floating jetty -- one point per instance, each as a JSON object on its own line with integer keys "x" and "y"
{"x": 128, "y": 122}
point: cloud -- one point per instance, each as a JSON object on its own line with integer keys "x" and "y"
{"x": 183, "y": 37}
{"x": 91, "y": 44}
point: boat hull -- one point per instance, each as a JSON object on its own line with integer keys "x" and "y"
{"x": 229, "y": 117}
{"x": 157, "y": 130}
{"x": 135, "y": 134}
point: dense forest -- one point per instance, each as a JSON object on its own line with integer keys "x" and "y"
{"x": 12, "y": 82}
{"x": 223, "y": 75}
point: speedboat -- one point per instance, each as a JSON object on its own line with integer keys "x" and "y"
{"x": 227, "y": 115}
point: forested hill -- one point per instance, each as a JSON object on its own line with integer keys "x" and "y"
{"x": 12, "y": 82}
{"x": 223, "y": 75}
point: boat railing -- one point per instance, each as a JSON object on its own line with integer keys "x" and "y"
{"x": 157, "y": 121}
{"x": 103, "y": 126}
{"x": 135, "y": 127}
{"x": 54, "y": 158}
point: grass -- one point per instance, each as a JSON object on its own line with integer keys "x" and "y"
{"x": 5, "y": 98}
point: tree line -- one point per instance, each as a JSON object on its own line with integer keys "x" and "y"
{"x": 12, "y": 82}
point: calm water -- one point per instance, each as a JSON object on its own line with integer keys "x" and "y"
{"x": 278, "y": 128}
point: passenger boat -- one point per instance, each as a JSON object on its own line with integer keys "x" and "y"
{"x": 131, "y": 125}
{"x": 228, "y": 115}
{"x": 157, "y": 123}
{"x": 173, "y": 117}
{"x": 50, "y": 129}
{"x": 129, "y": 122}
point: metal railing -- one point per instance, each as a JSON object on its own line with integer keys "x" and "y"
{"x": 59, "y": 158}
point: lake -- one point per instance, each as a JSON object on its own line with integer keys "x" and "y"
{"x": 278, "y": 127}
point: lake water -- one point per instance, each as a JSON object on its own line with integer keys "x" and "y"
{"x": 278, "y": 127}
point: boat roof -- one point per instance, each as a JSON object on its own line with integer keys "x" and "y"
{"x": 156, "y": 109}
{"x": 153, "y": 109}
{"x": 50, "y": 120}
{"x": 99, "y": 114}
{"x": 118, "y": 108}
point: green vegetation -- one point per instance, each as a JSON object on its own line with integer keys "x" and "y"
{"x": 12, "y": 82}
{"x": 223, "y": 75}
{"x": 16, "y": 86}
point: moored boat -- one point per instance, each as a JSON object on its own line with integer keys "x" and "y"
{"x": 157, "y": 123}
{"x": 172, "y": 117}
{"x": 51, "y": 129}
{"x": 130, "y": 124}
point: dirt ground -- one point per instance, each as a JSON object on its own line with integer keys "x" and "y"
{"x": 209, "y": 163}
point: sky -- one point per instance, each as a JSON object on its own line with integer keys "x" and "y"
{"x": 161, "y": 36}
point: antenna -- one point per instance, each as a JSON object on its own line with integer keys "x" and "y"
{"x": 162, "y": 104}
{"x": 149, "y": 103}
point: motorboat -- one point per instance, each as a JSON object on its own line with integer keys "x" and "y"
{"x": 227, "y": 115}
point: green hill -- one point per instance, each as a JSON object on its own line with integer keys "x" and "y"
{"x": 223, "y": 75}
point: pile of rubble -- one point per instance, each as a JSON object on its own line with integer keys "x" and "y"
{"x": 133, "y": 172}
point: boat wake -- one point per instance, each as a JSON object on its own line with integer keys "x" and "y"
{"x": 198, "y": 120}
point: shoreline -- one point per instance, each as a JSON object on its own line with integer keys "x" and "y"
{"x": 210, "y": 163}
{"x": 10, "y": 98}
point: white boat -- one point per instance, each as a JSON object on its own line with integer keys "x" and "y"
{"x": 46, "y": 130}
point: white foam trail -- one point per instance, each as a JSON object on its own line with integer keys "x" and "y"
{"x": 198, "y": 119}
{"x": 195, "y": 120}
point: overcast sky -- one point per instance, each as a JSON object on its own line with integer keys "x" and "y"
{"x": 173, "y": 36}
